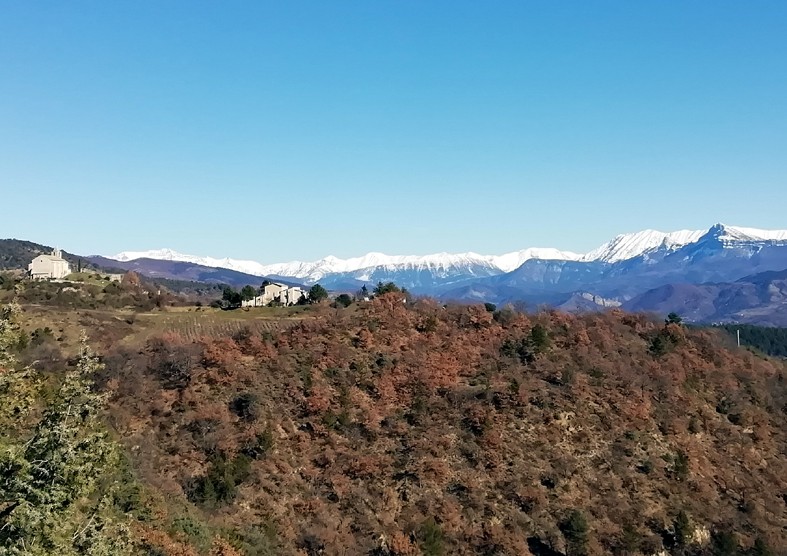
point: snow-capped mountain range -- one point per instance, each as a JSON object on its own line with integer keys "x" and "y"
{"x": 621, "y": 248}
{"x": 314, "y": 271}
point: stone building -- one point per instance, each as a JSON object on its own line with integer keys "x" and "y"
{"x": 52, "y": 266}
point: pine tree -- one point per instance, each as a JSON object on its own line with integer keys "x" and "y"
{"x": 575, "y": 531}
{"x": 18, "y": 385}
{"x": 56, "y": 487}
{"x": 683, "y": 528}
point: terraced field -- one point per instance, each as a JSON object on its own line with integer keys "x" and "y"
{"x": 196, "y": 326}
{"x": 210, "y": 322}
{"x": 107, "y": 327}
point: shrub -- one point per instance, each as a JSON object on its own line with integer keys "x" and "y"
{"x": 760, "y": 548}
{"x": 430, "y": 537}
{"x": 645, "y": 467}
{"x": 680, "y": 466}
{"x": 245, "y": 406}
{"x": 219, "y": 485}
{"x": 260, "y": 445}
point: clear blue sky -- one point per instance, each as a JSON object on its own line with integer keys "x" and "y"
{"x": 294, "y": 130}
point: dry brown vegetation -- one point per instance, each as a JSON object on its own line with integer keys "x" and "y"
{"x": 417, "y": 429}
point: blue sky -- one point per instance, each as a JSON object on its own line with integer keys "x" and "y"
{"x": 294, "y": 130}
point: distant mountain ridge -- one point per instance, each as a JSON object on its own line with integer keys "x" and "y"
{"x": 330, "y": 265}
{"x": 695, "y": 273}
{"x": 760, "y": 299}
{"x": 469, "y": 265}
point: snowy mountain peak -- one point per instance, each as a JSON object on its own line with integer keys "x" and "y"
{"x": 628, "y": 246}
{"x": 512, "y": 261}
{"x": 158, "y": 254}
{"x": 727, "y": 234}
{"x": 620, "y": 248}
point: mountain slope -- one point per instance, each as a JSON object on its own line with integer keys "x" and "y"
{"x": 628, "y": 246}
{"x": 722, "y": 254}
{"x": 179, "y": 270}
{"x": 758, "y": 299}
{"x": 16, "y": 254}
{"x": 398, "y": 429}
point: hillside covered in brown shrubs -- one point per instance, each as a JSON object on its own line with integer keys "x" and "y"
{"x": 393, "y": 428}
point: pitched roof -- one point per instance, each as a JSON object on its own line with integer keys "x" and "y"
{"x": 50, "y": 258}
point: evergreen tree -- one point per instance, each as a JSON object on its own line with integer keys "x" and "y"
{"x": 56, "y": 487}
{"x": 382, "y": 289}
{"x": 575, "y": 530}
{"x": 317, "y": 293}
{"x": 673, "y": 318}
{"x": 539, "y": 339}
{"x": 231, "y": 297}
{"x": 18, "y": 385}
{"x": 683, "y": 529}
{"x": 248, "y": 292}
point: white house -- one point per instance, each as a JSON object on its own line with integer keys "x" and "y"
{"x": 291, "y": 296}
{"x": 271, "y": 292}
{"x": 49, "y": 266}
{"x": 274, "y": 291}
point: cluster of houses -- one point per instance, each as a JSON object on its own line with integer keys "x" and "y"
{"x": 274, "y": 292}
{"x": 49, "y": 267}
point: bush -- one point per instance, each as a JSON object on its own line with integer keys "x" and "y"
{"x": 260, "y": 445}
{"x": 430, "y": 537}
{"x": 193, "y": 530}
{"x": 505, "y": 316}
{"x": 246, "y": 407}
{"x": 680, "y": 466}
{"x": 219, "y": 485}
{"x": 760, "y": 548}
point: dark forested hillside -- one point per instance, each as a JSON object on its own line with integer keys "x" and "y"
{"x": 393, "y": 428}
{"x": 767, "y": 339}
{"x": 17, "y": 254}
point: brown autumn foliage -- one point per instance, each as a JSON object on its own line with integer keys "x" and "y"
{"x": 416, "y": 429}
